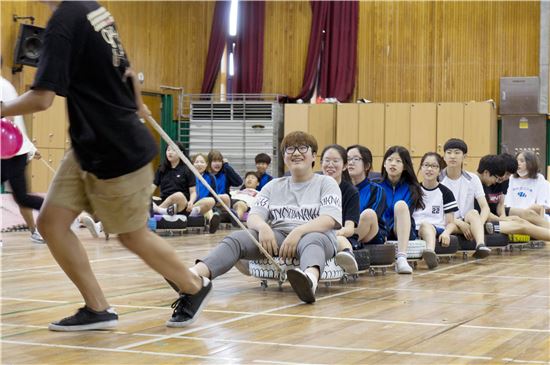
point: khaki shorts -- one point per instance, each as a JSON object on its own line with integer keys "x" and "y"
{"x": 121, "y": 203}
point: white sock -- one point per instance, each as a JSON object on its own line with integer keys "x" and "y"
{"x": 195, "y": 211}
{"x": 161, "y": 211}
{"x": 313, "y": 280}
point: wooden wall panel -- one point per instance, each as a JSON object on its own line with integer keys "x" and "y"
{"x": 167, "y": 41}
{"x": 287, "y": 27}
{"x": 444, "y": 50}
{"x": 347, "y": 124}
{"x": 371, "y": 127}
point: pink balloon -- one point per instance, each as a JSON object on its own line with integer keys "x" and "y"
{"x": 12, "y": 139}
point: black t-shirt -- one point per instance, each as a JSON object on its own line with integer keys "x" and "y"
{"x": 82, "y": 58}
{"x": 172, "y": 180}
{"x": 493, "y": 194}
{"x": 350, "y": 203}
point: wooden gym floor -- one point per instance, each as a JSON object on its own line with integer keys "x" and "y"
{"x": 465, "y": 312}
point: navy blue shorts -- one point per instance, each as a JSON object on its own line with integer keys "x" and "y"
{"x": 438, "y": 231}
{"x": 412, "y": 235}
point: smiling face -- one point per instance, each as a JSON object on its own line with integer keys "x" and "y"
{"x": 200, "y": 164}
{"x": 430, "y": 169}
{"x": 356, "y": 166}
{"x": 261, "y": 167}
{"x": 216, "y": 166}
{"x": 394, "y": 166}
{"x": 332, "y": 164}
{"x": 299, "y": 159}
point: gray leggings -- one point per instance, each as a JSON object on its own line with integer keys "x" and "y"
{"x": 313, "y": 250}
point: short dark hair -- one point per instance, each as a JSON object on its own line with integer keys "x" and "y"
{"x": 252, "y": 173}
{"x": 510, "y": 163}
{"x": 262, "y": 158}
{"x": 456, "y": 143}
{"x": 493, "y": 164}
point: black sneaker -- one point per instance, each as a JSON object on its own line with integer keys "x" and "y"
{"x": 188, "y": 307}
{"x": 482, "y": 251}
{"x": 172, "y": 209}
{"x": 302, "y": 285}
{"x": 86, "y": 319}
{"x": 430, "y": 258}
{"x": 214, "y": 222}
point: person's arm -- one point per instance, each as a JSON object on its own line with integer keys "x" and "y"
{"x": 192, "y": 197}
{"x": 142, "y": 109}
{"x": 445, "y": 236}
{"x": 347, "y": 230}
{"x": 501, "y": 211}
{"x": 323, "y": 223}
{"x": 30, "y": 102}
{"x": 233, "y": 179}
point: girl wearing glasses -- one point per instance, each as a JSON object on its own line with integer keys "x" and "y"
{"x": 334, "y": 161}
{"x": 293, "y": 216}
{"x": 372, "y": 198}
{"x": 403, "y": 196}
{"x": 436, "y": 220}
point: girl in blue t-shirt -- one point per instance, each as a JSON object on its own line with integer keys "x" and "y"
{"x": 372, "y": 199}
{"x": 226, "y": 176}
{"x": 334, "y": 163}
{"x": 403, "y": 196}
{"x": 205, "y": 200}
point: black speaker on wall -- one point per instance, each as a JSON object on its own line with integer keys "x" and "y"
{"x": 28, "y": 46}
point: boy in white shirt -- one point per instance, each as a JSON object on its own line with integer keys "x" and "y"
{"x": 466, "y": 188}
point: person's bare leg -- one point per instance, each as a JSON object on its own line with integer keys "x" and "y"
{"x": 531, "y": 216}
{"x": 367, "y": 228}
{"x": 176, "y": 198}
{"x": 162, "y": 258}
{"x": 402, "y": 225}
{"x": 205, "y": 204}
{"x": 474, "y": 220}
{"x": 241, "y": 208}
{"x": 54, "y": 223}
{"x": 427, "y": 233}
{"x": 524, "y": 227}
{"x": 26, "y": 213}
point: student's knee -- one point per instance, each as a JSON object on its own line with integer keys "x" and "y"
{"x": 179, "y": 197}
{"x": 45, "y": 224}
{"x": 401, "y": 207}
{"x": 368, "y": 216}
{"x": 471, "y": 215}
{"x": 426, "y": 229}
{"x": 529, "y": 214}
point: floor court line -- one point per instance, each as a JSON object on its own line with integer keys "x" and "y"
{"x": 314, "y": 347}
{"x": 283, "y": 315}
{"x": 231, "y": 320}
{"x": 57, "y": 266}
{"x": 167, "y": 354}
{"x": 499, "y": 276}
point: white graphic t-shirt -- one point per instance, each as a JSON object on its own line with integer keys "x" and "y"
{"x": 287, "y": 205}
{"x": 437, "y": 202}
{"x": 523, "y": 193}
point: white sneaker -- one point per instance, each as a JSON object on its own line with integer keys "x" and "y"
{"x": 93, "y": 227}
{"x": 346, "y": 261}
{"x": 36, "y": 237}
{"x": 402, "y": 266}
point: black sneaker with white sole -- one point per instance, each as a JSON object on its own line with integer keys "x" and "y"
{"x": 430, "y": 258}
{"x": 172, "y": 209}
{"x": 188, "y": 306}
{"x": 482, "y": 251}
{"x": 86, "y": 319}
{"x": 214, "y": 222}
{"x": 346, "y": 260}
{"x": 302, "y": 285}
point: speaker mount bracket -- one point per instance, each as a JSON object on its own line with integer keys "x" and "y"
{"x": 17, "y": 18}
